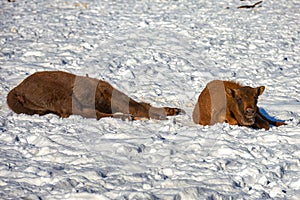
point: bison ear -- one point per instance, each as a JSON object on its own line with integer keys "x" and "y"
{"x": 230, "y": 92}
{"x": 260, "y": 90}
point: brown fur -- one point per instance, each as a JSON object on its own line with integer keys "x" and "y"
{"x": 64, "y": 94}
{"x": 227, "y": 101}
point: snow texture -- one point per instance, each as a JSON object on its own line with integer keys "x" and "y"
{"x": 163, "y": 52}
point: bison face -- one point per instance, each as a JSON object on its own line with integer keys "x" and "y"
{"x": 245, "y": 103}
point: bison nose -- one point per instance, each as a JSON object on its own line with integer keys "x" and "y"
{"x": 250, "y": 111}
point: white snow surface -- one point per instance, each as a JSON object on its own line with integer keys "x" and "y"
{"x": 162, "y": 52}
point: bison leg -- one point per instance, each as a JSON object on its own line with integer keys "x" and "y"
{"x": 78, "y": 109}
{"x": 161, "y": 113}
{"x": 91, "y": 113}
{"x": 266, "y": 120}
{"x": 279, "y": 123}
{"x": 261, "y": 122}
{"x": 120, "y": 102}
{"x": 230, "y": 119}
{"x": 173, "y": 111}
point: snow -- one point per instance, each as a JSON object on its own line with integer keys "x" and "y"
{"x": 163, "y": 52}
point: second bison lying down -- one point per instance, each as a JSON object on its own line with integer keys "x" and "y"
{"x": 227, "y": 101}
{"x": 64, "y": 94}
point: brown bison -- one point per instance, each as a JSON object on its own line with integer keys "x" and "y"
{"x": 227, "y": 101}
{"x": 64, "y": 94}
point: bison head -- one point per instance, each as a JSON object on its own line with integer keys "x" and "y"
{"x": 244, "y": 102}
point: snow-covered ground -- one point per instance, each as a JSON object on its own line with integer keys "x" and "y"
{"x": 163, "y": 52}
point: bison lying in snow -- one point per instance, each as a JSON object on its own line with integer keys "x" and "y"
{"x": 227, "y": 101}
{"x": 64, "y": 94}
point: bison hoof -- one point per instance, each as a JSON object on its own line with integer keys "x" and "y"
{"x": 124, "y": 117}
{"x": 140, "y": 118}
{"x": 174, "y": 111}
{"x": 180, "y": 111}
{"x": 280, "y": 123}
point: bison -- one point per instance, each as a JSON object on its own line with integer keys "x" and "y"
{"x": 228, "y": 101}
{"x": 64, "y": 94}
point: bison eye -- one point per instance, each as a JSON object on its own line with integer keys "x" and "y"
{"x": 239, "y": 100}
